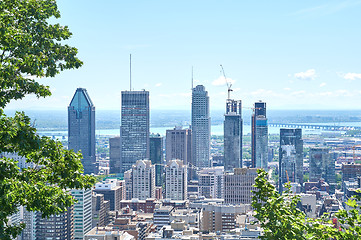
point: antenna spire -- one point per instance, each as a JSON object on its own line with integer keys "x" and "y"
{"x": 130, "y": 72}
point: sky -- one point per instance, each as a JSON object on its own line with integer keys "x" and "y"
{"x": 290, "y": 54}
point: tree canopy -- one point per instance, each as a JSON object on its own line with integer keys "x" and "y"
{"x": 31, "y": 48}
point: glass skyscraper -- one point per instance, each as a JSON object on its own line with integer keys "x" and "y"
{"x": 201, "y": 127}
{"x": 134, "y": 128}
{"x": 259, "y": 136}
{"x": 81, "y": 128}
{"x": 233, "y": 128}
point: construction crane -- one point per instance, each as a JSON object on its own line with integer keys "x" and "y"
{"x": 229, "y": 84}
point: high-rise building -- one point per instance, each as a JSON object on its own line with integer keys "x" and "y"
{"x": 113, "y": 191}
{"x": 201, "y": 127}
{"x": 211, "y": 181}
{"x": 156, "y": 157}
{"x": 179, "y": 145}
{"x": 259, "y": 136}
{"x": 60, "y": 226}
{"x": 128, "y": 184}
{"x": 82, "y": 212}
{"x": 290, "y": 157}
{"x": 176, "y": 180}
{"x": 233, "y": 128}
{"x": 81, "y": 128}
{"x": 114, "y": 155}
{"x": 321, "y": 165}
{"x": 134, "y": 128}
{"x": 238, "y": 186}
{"x": 143, "y": 180}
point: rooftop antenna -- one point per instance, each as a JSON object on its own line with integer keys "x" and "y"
{"x": 229, "y": 84}
{"x": 130, "y": 72}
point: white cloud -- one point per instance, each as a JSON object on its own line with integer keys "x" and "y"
{"x": 158, "y": 84}
{"x": 352, "y": 76}
{"x": 221, "y": 81}
{"x": 287, "y": 89}
{"x": 310, "y": 74}
{"x": 323, "y": 84}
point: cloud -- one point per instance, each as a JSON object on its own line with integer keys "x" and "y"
{"x": 158, "y": 84}
{"x": 310, "y": 74}
{"x": 352, "y": 76}
{"x": 287, "y": 89}
{"x": 221, "y": 81}
{"x": 323, "y": 84}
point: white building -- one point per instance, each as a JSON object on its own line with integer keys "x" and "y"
{"x": 176, "y": 180}
{"x": 211, "y": 182}
{"x": 82, "y": 213}
{"x": 143, "y": 180}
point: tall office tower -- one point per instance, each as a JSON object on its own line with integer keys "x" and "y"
{"x": 176, "y": 180}
{"x": 211, "y": 181}
{"x": 128, "y": 184}
{"x": 156, "y": 157}
{"x": 143, "y": 180}
{"x": 290, "y": 157}
{"x": 114, "y": 155}
{"x": 81, "y": 128}
{"x": 321, "y": 165}
{"x": 178, "y": 145}
{"x": 82, "y": 212}
{"x": 134, "y": 128}
{"x": 233, "y": 128}
{"x": 60, "y": 226}
{"x": 238, "y": 186}
{"x": 259, "y": 136}
{"x": 201, "y": 128}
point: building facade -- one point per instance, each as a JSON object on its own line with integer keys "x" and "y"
{"x": 156, "y": 157}
{"x": 201, "y": 127}
{"x": 238, "y": 186}
{"x": 143, "y": 180}
{"x": 290, "y": 157}
{"x": 113, "y": 191}
{"x": 176, "y": 180}
{"x": 233, "y": 131}
{"x": 321, "y": 165}
{"x": 179, "y": 145}
{"x": 82, "y": 212}
{"x": 114, "y": 155}
{"x": 259, "y": 134}
{"x": 211, "y": 181}
{"x": 134, "y": 128}
{"x": 81, "y": 128}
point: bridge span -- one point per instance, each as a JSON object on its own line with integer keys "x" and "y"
{"x": 314, "y": 126}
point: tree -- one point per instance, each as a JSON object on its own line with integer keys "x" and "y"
{"x": 30, "y": 48}
{"x": 280, "y": 217}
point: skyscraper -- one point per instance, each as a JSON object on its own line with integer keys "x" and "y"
{"x": 290, "y": 157}
{"x": 259, "y": 136}
{"x": 201, "y": 127}
{"x": 156, "y": 157}
{"x": 143, "y": 180}
{"x": 179, "y": 145}
{"x": 82, "y": 212}
{"x": 81, "y": 128}
{"x": 134, "y": 128}
{"x": 321, "y": 165}
{"x": 114, "y": 155}
{"x": 233, "y": 128}
{"x": 176, "y": 180}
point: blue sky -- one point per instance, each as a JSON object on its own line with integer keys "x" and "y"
{"x": 291, "y": 54}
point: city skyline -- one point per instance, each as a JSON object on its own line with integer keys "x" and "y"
{"x": 280, "y": 52}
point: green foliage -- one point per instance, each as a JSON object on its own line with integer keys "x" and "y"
{"x": 31, "y": 48}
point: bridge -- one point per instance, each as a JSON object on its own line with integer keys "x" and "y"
{"x": 314, "y": 126}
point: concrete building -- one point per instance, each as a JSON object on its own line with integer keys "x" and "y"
{"x": 238, "y": 186}
{"x": 143, "y": 180}
{"x": 113, "y": 191}
{"x": 81, "y": 128}
{"x": 60, "y": 226}
{"x": 82, "y": 212}
{"x": 156, "y": 157}
{"x": 145, "y": 206}
{"x": 162, "y": 216}
{"x": 114, "y": 155}
{"x": 233, "y": 131}
{"x": 221, "y": 218}
{"x": 176, "y": 180}
{"x": 201, "y": 128}
{"x": 259, "y": 134}
{"x": 350, "y": 171}
{"x": 321, "y": 165}
{"x": 107, "y": 233}
{"x": 100, "y": 210}
{"x": 290, "y": 157}
{"x": 179, "y": 145}
{"x": 128, "y": 184}
{"x": 211, "y": 181}
{"x": 134, "y": 128}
